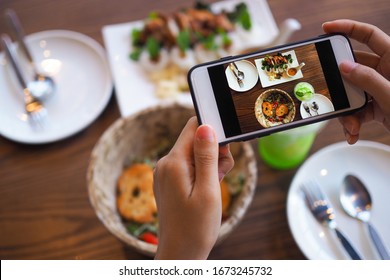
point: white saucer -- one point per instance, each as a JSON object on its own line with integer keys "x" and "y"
{"x": 324, "y": 106}
{"x": 369, "y": 161}
{"x": 79, "y": 67}
{"x": 250, "y": 79}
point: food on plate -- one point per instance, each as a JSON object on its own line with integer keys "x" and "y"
{"x": 135, "y": 198}
{"x": 187, "y": 37}
{"x": 274, "y": 107}
{"x": 281, "y": 110}
{"x": 267, "y": 108}
{"x": 292, "y": 71}
{"x": 280, "y": 106}
{"x": 136, "y": 203}
{"x": 275, "y": 65}
{"x": 304, "y": 91}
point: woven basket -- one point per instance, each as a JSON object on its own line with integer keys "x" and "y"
{"x": 133, "y": 138}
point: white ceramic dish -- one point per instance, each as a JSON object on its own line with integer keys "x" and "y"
{"x": 369, "y": 161}
{"x": 264, "y": 78}
{"x": 324, "y": 106}
{"x": 133, "y": 89}
{"x": 79, "y": 67}
{"x": 250, "y": 79}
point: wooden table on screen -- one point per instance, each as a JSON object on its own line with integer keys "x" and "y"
{"x": 44, "y": 208}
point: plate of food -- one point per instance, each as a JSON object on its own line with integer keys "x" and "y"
{"x": 120, "y": 175}
{"x": 274, "y": 107}
{"x": 273, "y": 68}
{"x": 150, "y": 58}
{"x": 250, "y": 76}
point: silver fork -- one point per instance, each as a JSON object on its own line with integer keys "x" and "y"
{"x": 34, "y": 108}
{"x": 240, "y": 74}
{"x": 239, "y": 80}
{"x": 323, "y": 211}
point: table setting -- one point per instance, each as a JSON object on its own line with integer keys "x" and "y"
{"x": 78, "y": 113}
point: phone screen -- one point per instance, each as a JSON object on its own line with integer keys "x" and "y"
{"x": 277, "y": 88}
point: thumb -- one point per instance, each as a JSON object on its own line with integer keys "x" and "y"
{"x": 205, "y": 155}
{"x": 369, "y": 80}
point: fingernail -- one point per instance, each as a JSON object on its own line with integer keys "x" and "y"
{"x": 347, "y": 66}
{"x": 205, "y": 133}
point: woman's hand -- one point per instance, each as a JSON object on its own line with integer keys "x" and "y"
{"x": 188, "y": 195}
{"x": 371, "y": 73}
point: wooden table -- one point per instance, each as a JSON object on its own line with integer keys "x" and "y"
{"x": 44, "y": 208}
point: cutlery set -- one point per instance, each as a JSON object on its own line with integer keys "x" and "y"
{"x": 237, "y": 73}
{"x": 356, "y": 202}
{"x": 41, "y": 87}
{"x": 311, "y": 107}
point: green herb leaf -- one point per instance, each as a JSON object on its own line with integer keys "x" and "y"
{"x": 135, "y": 36}
{"x": 153, "y": 15}
{"x": 184, "y": 40}
{"x": 153, "y": 48}
{"x": 135, "y": 54}
{"x": 209, "y": 43}
{"x": 226, "y": 40}
{"x": 241, "y": 16}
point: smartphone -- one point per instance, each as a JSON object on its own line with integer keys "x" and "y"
{"x": 252, "y": 95}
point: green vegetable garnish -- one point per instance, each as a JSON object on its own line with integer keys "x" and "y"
{"x": 209, "y": 42}
{"x": 135, "y": 36}
{"x": 153, "y": 15}
{"x": 184, "y": 40}
{"x": 135, "y": 54}
{"x": 226, "y": 40}
{"x": 153, "y": 48}
{"x": 241, "y": 16}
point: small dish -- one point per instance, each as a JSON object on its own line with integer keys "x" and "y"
{"x": 329, "y": 166}
{"x": 264, "y": 120}
{"x": 265, "y": 79}
{"x": 128, "y": 74}
{"x": 250, "y": 80}
{"x": 323, "y": 103}
{"x": 79, "y": 67}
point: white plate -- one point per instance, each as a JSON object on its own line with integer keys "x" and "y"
{"x": 250, "y": 76}
{"x": 133, "y": 89}
{"x": 264, "y": 79}
{"x": 369, "y": 161}
{"x": 324, "y": 106}
{"x": 80, "y": 70}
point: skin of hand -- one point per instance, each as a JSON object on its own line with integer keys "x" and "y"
{"x": 371, "y": 73}
{"x": 188, "y": 194}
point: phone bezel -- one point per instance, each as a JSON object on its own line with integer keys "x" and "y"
{"x": 206, "y": 107}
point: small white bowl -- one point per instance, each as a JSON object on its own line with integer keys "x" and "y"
{"x": 134, "y": 137}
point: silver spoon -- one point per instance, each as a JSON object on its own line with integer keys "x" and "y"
{"x": 43, "y": 86}
{"x": 356, "y": 201}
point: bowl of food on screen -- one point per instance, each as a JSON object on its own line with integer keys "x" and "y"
{"x": 120, "y": 175}
{"x": 274, "y": 107}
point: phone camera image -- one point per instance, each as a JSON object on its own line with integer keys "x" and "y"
{"x": 263, "y": 91}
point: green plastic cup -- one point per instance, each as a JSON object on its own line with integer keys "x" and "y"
{"x": 288, "y": 149}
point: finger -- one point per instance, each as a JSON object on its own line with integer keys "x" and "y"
{"x": 205, "y": 156}
{"x": 369, "y": 59}
{"x": 184, "y": 143}
{"x": 377, "y": 40}
{"x": 351, "y": 125}
{"x": 225, "y": 161}
{"x": 369, "y": 80}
